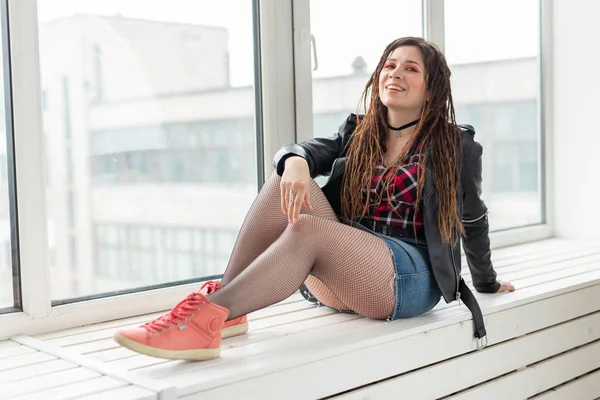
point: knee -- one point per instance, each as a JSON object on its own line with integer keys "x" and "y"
{"x": 305, "y": 224}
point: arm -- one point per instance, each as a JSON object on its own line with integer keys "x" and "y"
{"x": 319, "y": 153}
{"x": 475, "y": 221}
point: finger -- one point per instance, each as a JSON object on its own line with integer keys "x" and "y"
{"x": 307, "y": 201}
{"x": 290, "y": 207}
{"x": 507, "y": 287}
{"x": 298, "y": 204}
{"x": 284, "y": 198}
{"x": 292, "y": 210}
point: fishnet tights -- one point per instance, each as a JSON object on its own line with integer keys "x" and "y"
{"x": 349, "y": 268}
{"x": 265, "y": 223}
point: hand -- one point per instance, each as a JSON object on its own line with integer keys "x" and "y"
{"x": 295, "y": 188}
{"x": 505, "y": 287}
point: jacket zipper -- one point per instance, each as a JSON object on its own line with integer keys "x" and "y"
{"x": 470, "y": 221}
{"x": 457, "y": 274}
{"x": 465, "y": 221}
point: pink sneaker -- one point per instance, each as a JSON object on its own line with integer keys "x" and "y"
{"x": 190, "y": 331}
{"x": 235, "y": 327}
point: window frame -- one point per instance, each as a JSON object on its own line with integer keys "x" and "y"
{"x": 7, "y": 171}
{"x": 284, "y": 115}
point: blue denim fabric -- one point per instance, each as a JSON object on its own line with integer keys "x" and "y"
{"x": 416, "y": 289}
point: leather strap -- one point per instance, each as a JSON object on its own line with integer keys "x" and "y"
{"x": 471, "y": 302}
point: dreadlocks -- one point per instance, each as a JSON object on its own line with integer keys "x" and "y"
{"x": 436, "y": 135}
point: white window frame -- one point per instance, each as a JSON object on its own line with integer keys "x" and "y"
{"x": 286, "y": 90}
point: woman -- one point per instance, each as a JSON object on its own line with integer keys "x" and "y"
{"x": 382, "y": 238}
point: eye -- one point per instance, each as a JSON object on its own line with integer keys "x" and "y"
{"x": 411, "y": 69}
{"x": 390, "y": 66}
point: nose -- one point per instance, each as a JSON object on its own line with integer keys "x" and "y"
{"x": 396, "y": 74}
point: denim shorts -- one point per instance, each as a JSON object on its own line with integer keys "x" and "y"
{"x": 416, "y": 289}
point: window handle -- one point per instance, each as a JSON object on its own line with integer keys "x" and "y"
{"x": 313, "y": 42}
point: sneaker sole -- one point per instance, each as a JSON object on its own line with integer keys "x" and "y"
{"x": 234, "y": 330}
{"x": 188, "y": 355}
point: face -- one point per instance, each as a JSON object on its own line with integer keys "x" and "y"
{"x": 402, "y": 83}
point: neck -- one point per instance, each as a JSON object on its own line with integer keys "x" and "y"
{"x": 397, "y": 119}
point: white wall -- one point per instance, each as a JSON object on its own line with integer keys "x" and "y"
{"x": 576, "y": 77}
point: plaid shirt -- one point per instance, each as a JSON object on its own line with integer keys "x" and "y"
{"x": 403, "y": 195}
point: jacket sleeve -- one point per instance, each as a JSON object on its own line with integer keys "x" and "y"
{"x": 475, "y": 221}
{"x": 319, "y": 153}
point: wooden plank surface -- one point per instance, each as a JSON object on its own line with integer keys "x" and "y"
{"x": 586, "y": 387}
{"x": 538, "y": 378}
{"x": 5, "y": 344}
{"x": 25, "y": 372}
{"x": 477, "y": 367}
{"x": 16, "y": 350}
{"x": 124, "y": 393}
{"x": 24, "y": 360}
{"x": 100, "y": 385}
{"x": 123, "y": 376}
{"x": 543, "y": 263}
{"x": 47, "y": 381}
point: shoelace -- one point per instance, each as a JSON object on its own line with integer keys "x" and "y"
{"x": 179, "y": 313}
{"x": 211, "y": 287}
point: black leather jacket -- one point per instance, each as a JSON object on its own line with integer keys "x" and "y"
{"x": 327, "y": 156}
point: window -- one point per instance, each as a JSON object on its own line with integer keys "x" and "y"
{"x": 496, "y": 80}
{"x": 151, "y": 113}
{"x": 9, "y": 277}
{"x": 183, "y": 251}
{"x": 186, "y": 158}
{"x": 348, "y": 52}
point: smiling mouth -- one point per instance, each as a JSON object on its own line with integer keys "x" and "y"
{"x": 395, "y": 88}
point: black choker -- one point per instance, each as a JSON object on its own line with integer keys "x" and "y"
{"x": 416, "y": 121}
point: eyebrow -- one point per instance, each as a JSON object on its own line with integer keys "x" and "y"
{"x": 408, "y": 61}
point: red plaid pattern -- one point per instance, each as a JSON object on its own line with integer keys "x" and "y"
{"x": 403, "y": 195}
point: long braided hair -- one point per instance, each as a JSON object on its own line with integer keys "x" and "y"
{"x": 436, "y": 135}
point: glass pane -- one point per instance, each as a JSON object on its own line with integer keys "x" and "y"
{"x": 495, "y": 83}
{"x": 348, "y": 52}
{"x": 7, "y": 297}
{"x": 150, "y": 124}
